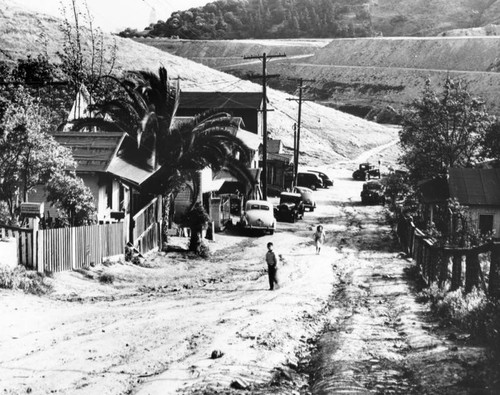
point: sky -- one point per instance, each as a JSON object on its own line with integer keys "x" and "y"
{"x": 116, "y": 15}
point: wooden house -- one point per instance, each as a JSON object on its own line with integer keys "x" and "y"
{"x": 478, "y": 189}
{"x": 279, "y": 167}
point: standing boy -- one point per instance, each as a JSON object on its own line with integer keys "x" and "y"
{"x": 272, "y": 265}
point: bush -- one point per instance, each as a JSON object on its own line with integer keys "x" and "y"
{"x": 20, "y": 278}
{"x": 473, "y": 312}
{"x": 106, "y": 278}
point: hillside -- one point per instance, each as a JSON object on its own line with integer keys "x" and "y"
{"x": 327, "y": 134}
{"x": 358, "y": 75}
{"x": 243, "y": 19}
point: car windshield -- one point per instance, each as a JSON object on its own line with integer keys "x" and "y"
{"x": 259, "y": 207}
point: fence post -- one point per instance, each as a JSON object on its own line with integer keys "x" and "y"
{"x": 471, "y": 270}
{"x": 494, "y": 279}
{"x": 456, "y": 277}
{"x": 444, "y": 258}
{"x": 73, "y": 248}
{"x": 39, "y": 250}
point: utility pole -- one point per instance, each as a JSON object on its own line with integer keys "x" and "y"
{"x": 264, "y": 76}
{"x": 297, "y": 144}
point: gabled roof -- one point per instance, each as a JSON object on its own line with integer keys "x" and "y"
{"x": 91, "y": 151}
{"x": 222, "y": 100}
{"x": 475, "y": 186}
{"x": 274, "y": 146}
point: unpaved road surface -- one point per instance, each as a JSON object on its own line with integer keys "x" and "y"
{"x": 154, "y": 329}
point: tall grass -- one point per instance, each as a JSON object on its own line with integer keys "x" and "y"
{"x": 26, "y": 280}
{"x": 473, "y": 312}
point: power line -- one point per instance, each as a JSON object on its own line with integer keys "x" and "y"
{"x": 264, "y": 76}
{"x": 297, "y": 143}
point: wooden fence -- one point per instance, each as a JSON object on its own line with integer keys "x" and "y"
{"x": 147, "y": 227}
{"x": 79, "y": 247}
{"x": 26, "y": 244}
{"x": 451, "y": 267}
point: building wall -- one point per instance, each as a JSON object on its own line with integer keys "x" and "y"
{"x": 487, "y": 210}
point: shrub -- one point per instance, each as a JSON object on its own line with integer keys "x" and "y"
{"x": 473, "y": 312}
{"x": 20, "y": 278}
{"x": 106, "y": 278}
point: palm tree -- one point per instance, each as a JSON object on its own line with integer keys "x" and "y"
{"x": 145, "y": 109}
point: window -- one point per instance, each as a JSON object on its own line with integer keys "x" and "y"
{"x": 485, "y": 224}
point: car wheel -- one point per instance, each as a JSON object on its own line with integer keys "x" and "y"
{"x": 312, "y": 209}
{"x": 313, "y": 187}
{"x": 293, "y": 219}
{"x": 271, "y": 232}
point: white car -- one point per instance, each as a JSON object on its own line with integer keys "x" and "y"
{"x": 307, "y": 197}
{"x": 259, "y": 214}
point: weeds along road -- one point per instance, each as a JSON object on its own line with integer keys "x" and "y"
{"x": 154, "y": 329}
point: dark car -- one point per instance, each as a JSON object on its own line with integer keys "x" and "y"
{"x": 290, "y": 208}
{"x": 373, "y": 193}
{"x": 327, "y": 182}
{"x": 309, "y": 180}
{"x": 365, "y": 172}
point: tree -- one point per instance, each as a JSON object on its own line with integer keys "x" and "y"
{"x": 28, "y": 155}
{"x": 443, "y": 130}
{"x": 84, "y": 58}
{"x": 73, "y": 199}
{"x": 145, "y": 111}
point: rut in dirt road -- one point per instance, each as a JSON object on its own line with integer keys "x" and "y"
{"x": 378, "y": 339}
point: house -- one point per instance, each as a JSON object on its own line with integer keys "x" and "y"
{"x": 478, "y": 189}
{"x": 279, "y": 167}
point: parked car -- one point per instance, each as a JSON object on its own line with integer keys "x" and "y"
{"x": 327, "y": 182}
{"x": 258, "y": 214}
{"x": 291, "y": 207}
{"x": 309, "y": 180}
{"x": 307, "y": 197}
{"x": 365, "y": 172}
{"x": 373, "y": 193}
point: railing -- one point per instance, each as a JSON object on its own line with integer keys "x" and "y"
{"x": 450, "y": 266}
{"x": 147, "y": 227}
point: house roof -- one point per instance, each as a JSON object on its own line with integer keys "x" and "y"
{"x": 274, "y": 146}
{"x": 434, "y": 191}
{"x": 128, "y": 171}
{"x": 279, "y": 157}
{"x": 229, "y": 100}
{"x": 475, "y": 186}
{"x": 91, "y": 151}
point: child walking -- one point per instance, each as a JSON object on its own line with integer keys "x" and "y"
{"x": 272, "y": 265}
{"x": 319, "y": 238}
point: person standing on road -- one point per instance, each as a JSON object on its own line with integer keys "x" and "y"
{"x": 272, "y": 265}
{"x": 319, "y": 238}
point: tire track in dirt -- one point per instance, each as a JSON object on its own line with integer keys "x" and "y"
{"x": 377, "y": 338}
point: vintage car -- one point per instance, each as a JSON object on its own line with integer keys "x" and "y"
{"x": 290, "y": 208}
{"x": 373, "y": 193}
{"x": 309, "y": 180}
{"x": 258, "y": 215}
{"x": 327, "y": 182}
{"x": 307, "y": 197}
{"x": 365, "y": 172}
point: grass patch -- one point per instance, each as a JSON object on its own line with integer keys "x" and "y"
{"x": 27, "y": 280}
{"x": 473, "y": 312}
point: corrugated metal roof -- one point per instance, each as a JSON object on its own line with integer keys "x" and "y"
{"x": 92, "y": 151}
{"x": 279, "y": 157}
{"x": 475, "y": 186}
{"x": 205, "y": 100}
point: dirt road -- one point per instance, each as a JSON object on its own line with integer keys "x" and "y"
{"x": 153, "y": 331}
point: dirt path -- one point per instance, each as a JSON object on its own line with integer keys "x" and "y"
{"x": 154, "y": 329}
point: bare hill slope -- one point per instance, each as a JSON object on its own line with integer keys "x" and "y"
{"x": 369, "y": 72}
{"x": 327, "y": 134}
